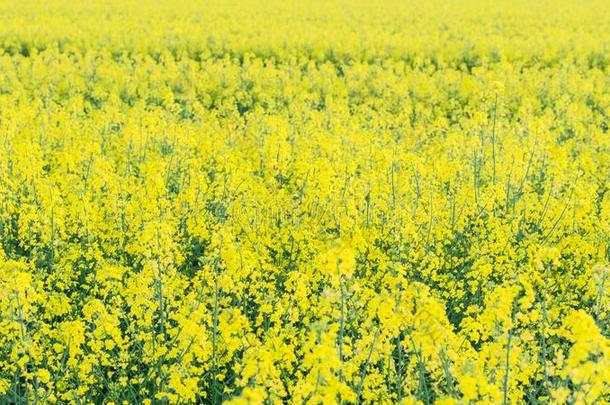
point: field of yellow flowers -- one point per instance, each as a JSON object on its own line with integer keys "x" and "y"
{"x": 265, "y": 201}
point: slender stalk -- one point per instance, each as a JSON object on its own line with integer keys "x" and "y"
{"x": 342, "y": 321}
{"x": 600, "y": 295}
{"x": 364, "y": 367}
{"x": 543, "y": 304}
{"x": 507, "y": 366}
{"x": 214, "y": 384}
{"x": 52, "y": 244}
{"x": 393, "y": 187}
{"x": 493, "y": 141}
{"x": 475, "y": 163}
{"x": 448, "y": 376}
{"x": 160, "y": 299}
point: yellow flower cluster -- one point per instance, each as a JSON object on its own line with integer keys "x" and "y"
{"x": 304, "y": 201}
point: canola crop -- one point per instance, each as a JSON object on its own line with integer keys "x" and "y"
{"x": 304, "y": 202}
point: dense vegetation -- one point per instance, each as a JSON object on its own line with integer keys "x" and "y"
{"x": 282, "y": 201}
